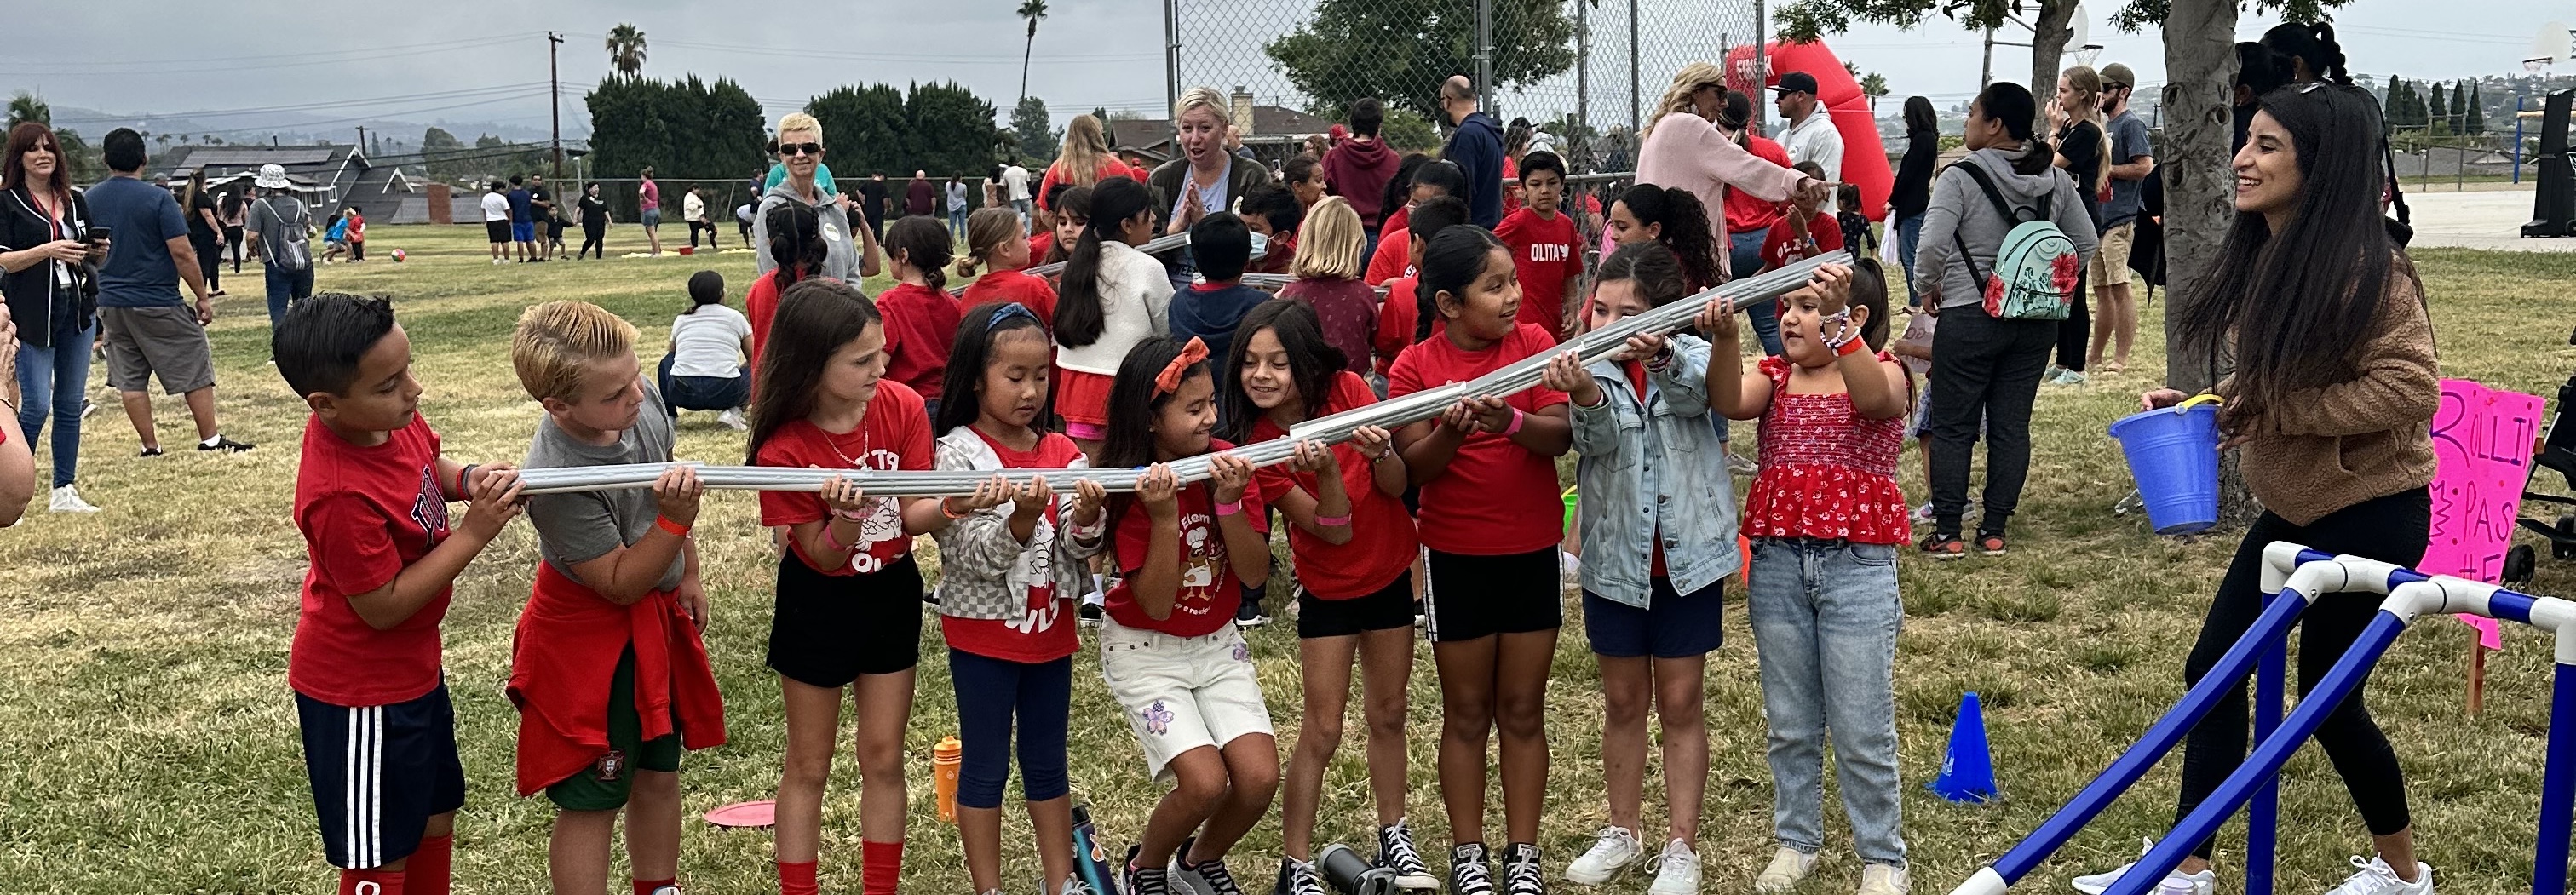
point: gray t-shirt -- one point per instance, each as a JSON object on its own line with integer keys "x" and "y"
{"x": 581, "y": 526}
{"x": 278, "y": 220}
{"x": 2128, "y": 141}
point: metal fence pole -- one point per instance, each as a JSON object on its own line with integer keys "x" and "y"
{"x": 1636, "y": 103}
{"x": 1574, "y": 138}
{"x": 1761, "y": 62}
{"x": 1171, "y": 67}
{"x": 1485, "y": 55}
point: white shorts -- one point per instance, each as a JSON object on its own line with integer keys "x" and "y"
{"x": 1181, "y": 693}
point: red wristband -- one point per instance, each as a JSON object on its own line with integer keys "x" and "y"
{"x": 676, "y": 529}
{"x": 1851, "y": 347}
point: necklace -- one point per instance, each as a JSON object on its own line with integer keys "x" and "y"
{"x": 833, "y": 442}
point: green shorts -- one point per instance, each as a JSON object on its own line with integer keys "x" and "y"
{"x": 603, "y": 786}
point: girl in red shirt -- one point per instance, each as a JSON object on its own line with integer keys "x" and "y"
{"x": 1169, "y": 648}
{"x": 849, "y": 594}
{"x": 996, "y": 242}
{"x": 1490, "y": 511}
{"x": 920, "y": 317}
{"x": 1354, "y": 545}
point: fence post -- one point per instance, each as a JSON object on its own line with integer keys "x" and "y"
{"x": 1574, "y": 139}
{"x": 2517, "y": 138}
{"x": 1761, "y": 62}
{"x": 1636, "y": 103}
{"x": 1171, "y": 68}
{"x": 1485, "y": 56}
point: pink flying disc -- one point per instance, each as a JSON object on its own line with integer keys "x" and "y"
{"x": 745, "y": 814}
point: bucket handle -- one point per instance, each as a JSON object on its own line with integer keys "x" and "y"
{"x": 2196, "y": 400}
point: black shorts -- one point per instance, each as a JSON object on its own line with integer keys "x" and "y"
{"x": 379, "y": 773}
{"x": 1468, "y": 597}
{"x": 829, "y": 629}
{"x": 496, "y": 231}
{"x": 1389, "y": 607}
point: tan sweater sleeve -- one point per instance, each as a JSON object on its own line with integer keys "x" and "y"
{"x": 2400, "y": 382}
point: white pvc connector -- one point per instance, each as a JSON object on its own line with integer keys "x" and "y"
{"x": 1985, "y": 882}
{"x": 2319, "y": 578}
{"x": 2368, "y": 574}
{"x": 2442, "y": 594}
{"x": 2557, "y": 616}
{"x": 2280, "y": 558}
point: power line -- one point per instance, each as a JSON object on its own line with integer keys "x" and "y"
{"x": 317, "y": 105}
{"x": 198, "y": 66}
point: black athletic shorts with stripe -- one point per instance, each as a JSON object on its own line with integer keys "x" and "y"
{"x": 379, "y": 773}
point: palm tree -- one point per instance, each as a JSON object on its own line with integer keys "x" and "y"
{"x": 26, "y": 107}
{"x": 1032, "y": 10}
{"x": 626, "y": 49}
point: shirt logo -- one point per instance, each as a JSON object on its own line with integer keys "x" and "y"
{"x": 429, "y": 507}
{"x": 1550, "y": 252}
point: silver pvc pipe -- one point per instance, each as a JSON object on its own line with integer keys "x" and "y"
{"x": 1334, "y": 429}
{"x": 1155, "y": 246}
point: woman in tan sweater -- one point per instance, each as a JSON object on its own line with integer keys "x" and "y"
{"x": 2331, "y": 403}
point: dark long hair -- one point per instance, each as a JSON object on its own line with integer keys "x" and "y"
{"x": 923, "y": 242}
{"x": 1450, "y": 264}
{"x": 972, "y": 351}
{"x": 1442, "y": 173}
{"x": 2296, "y": 306}
{"x": 2011, "y": 104}
{"x": 2294, "y": 42}
{"x": 1399, "y": 188}
{"x": 1685, "y": 229}
{"x": 1921, "y": 120}
{"x": 1869, "y": 290}
{"x": 13, "y": 169}
{"x": 795, "y": 243}
{"x": 1133, "y": 405}
{"x": 1312, "y": 363}
{"x": 815, "y": 318}
{"x": 1656, "y": 273}
{"x": 1080, "y": 314}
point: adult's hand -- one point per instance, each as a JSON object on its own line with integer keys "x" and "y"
{"x": 205, "y": 311}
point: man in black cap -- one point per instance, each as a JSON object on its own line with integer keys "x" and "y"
{"x": 1811, "y": 136}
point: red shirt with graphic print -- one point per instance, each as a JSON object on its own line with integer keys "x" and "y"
{"x": 366, "y": 513}
{"x": 894, "y": 435}
{"x": 1210, "y": 592}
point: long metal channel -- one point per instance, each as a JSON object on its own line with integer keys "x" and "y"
{"x": 1333, "y": 429}
{"x": 1155, "y": 246}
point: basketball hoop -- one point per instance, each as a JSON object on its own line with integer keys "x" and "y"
{"x": 2085, "y": 55}
{"x": 2534, "y": 66}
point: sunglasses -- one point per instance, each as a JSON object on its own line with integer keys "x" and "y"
{"x": 788, "y": 149}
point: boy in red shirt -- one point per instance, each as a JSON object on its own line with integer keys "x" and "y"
{"x": 1396, "y": 318}
{"x": 371, "y": 496}
{"x": 1273, "y": 215}
{"x": 1542, "y": 243}
{"x": 1804, "y": 232}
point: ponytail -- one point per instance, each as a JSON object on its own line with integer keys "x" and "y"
{"x": 1686, "y": 229}
{"x": 986, "y": 230}
{"x": 796, "y": 243}
{"x": 1081, "y": 312}
{"x": 921, "y": 241}
{"x": 2012, "y": 106}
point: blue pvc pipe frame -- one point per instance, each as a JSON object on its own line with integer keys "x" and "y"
{"x": 2256, "y": 780}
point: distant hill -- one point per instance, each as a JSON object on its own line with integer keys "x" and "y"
{"x": 391, "y": 135}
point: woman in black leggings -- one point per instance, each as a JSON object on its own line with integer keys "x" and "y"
{"x": 594, "y": 224}
{"x": 2332, "y": 403}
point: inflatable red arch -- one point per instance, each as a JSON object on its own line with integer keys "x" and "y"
{"x": 1864, "y": 156}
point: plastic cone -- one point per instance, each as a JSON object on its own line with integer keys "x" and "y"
{"x": 1968, "y": 771}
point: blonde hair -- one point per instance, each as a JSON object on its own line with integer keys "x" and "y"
{"x": 556, "y": 343}
{"x": 1204, "y": 98}
{"x": 799, "y": 121}
{"x": 2087, "y": 85}
{"x": 1084, "y": 149}
{"x": 1329, "y": 242}
{"x": 987, "y": 229}
{"x": 1677, "y": 98}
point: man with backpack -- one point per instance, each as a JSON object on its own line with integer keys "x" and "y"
{"x": 280, "y": 230}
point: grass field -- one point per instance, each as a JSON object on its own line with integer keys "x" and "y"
{"x": 152, "y": 744}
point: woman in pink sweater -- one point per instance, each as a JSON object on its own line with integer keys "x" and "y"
{"x": 1683, "y": 148}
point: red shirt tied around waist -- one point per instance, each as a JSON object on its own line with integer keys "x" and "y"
{"x": 1497, "y": 498}
{"x": 920, "y": 322}
{"x": 1044, "y": 632}
{"x": 1543, "y": 255}
{"x": 1004, "y": 286}
{"x": 564, "y": 655}
{"x": 1210, "y": 592}
{"x": 895, "y": 435}
{"x": 366, "y": 513}
{"x": 1827, "y": 473}
{"x": 1383, "y": 543}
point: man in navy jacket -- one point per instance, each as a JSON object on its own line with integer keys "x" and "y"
{"x": 1477, "y": 148}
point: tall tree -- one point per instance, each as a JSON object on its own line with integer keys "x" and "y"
{"x": 2477, "y": 122}
{"x": 952, "y": 130}
{"x": 865, "y": 128}
{"x": 1400, "y": 50}
{"x": 2459, "y": 107}
{"x": 444, "y": 155}
{"x": 1032, "y": 10}
{"x": 2049, "y": 22}
{"x": 27, "y": 106}
{"x": 685, "y": 130}
{"x": 2394, "y": 101}
{"x": 1033, "y": 136}
{"x": 626, "y": 49}
{"x": 2439, "y": 116}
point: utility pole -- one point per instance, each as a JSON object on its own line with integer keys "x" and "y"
{"x": 554, "y": 101}
{"x": 362, "y": 140}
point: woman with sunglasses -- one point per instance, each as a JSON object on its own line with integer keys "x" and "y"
{"x": 800, "y": 147}
{"x": 47, "y": 274}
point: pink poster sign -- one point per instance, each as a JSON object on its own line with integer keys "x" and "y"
{"x": 2483, "y": 439}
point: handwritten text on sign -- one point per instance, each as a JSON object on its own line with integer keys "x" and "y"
{"x": 2482, "y": 438}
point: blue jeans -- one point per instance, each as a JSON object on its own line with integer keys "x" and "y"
{"x": 957, "y": 223}
{"x": 1744, "y": 259}
{"x": 285, "y": 287}
{"x": 1825, "y": 616}
{"x": 990, "y": 694}
{"x": 56, "y": 381}
{"x": 1908, "y": 232}
{"x": 702, "y": 392}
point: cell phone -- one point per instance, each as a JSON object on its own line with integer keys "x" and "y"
{"x": 98, "y": 234}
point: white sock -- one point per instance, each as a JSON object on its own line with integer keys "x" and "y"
{"x": 211, "y": 440}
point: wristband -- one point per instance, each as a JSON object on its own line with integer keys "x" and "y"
{"x": 1229, "y": 509}
{"x": 676, "y": 529}
{"x": 951, "y": 514}
{"x": 832, "y": 542}
{"x": 1517, "y": 419}
{"x": 1341, "y": 521}
{"x": 1850, "y": 346}
{"x": 1662, "y": 359}
{"x": 463, "y": 476}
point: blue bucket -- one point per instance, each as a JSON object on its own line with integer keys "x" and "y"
{"x": 2173, "y": 454}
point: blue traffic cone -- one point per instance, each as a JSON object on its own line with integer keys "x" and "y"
{"x": 1968, "y": 771}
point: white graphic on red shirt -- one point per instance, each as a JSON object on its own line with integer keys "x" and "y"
{"x": 1549, "y": 252}
{"x": 429, "y": 506}
{"x": 1033, "y": 574}
{"x": 1201, "y": 553}
{"x": 883, "y": 518}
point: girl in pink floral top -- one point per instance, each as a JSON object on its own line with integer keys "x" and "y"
{"x": 1826, "y": 518}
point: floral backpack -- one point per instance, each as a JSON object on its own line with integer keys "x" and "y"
{"x": 2034, "y": 277}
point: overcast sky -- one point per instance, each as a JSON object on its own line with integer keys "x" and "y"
{"x": 481, "y": 61}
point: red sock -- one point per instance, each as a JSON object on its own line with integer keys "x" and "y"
{"x": 428, "y": 868}
{"x": 646, "y": 886}
{"x": 880, "y": 867}
{"x": 371, "y": 881}
{"x": 797, "y": 879}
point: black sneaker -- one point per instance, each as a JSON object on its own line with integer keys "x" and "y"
{"x": 1249, "y": 615}
{"x": 1298, "y": 878}
{"x": 225, "y": 445}
{"x": 1091, "y": 614}
{"x": 1521, "y": 874}
{"x": 1395, "y": 852}
{"x": 1210, "y": 878}
{"x": 1146, "y": 880}
{"x": 1468, "y": 874}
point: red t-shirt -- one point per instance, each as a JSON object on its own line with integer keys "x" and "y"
{"x": 1394, "y": 256}
{"x": 1745, "y": 212}
{"x": 1210, "y": 592}
{"x": 1395, "y": 320}
{"x": 1012, "y": 285}
{"x": 1039, "y": 246}
{"x": 1637, "y": 380}
{"x": 1543, "y": 254}
{"x": 760, "y": 305}
{"x": 895, "y": 435}
{"x": 1496, "y": 498}
{"x": 1779, "y": 249}
{"x": 1044, "y": 632}
{"x": 1383, "y": 542}
{"x": 366, "y": 514}
{"x": 920, "y": 322}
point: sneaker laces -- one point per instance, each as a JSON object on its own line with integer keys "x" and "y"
{"x": 1217, "y": 877}
{"x": 1470, "y": 877}
{"x": 1611, "y": 838}
{"x": 2373, "y": 876}
{"x": 1304, "y": 880}
{"x": 1525, "y": 878}
{"x": 1395, "y": 850}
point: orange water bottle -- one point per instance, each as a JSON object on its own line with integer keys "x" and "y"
{"x": 945, "y": 759}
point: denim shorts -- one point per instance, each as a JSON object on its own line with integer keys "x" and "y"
{"x": 1670, "y": 626}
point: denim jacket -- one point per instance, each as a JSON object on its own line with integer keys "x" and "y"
{"x": 1650, "y": 468}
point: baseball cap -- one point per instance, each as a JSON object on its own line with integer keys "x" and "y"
{"x": 2119, "y": 73}
{"x": 1795, "y": 82}
{"x": 271, "y": 177}
{"x": 1338, "y": 133}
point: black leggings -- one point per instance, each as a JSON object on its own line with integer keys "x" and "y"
{"x": 2076, "y": 331}
{"x": 2393, "y": 529}
{"x": 1988, "y": 371}
{"x": 593, "y": 242}
{"x": 209, "y": 260}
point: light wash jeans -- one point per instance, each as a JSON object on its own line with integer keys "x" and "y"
{"x": 1909, "y": 231}
{"x": 55, "y": 382}
{"x": 1744, "y": 259}
{"x": 1825, "y": 615}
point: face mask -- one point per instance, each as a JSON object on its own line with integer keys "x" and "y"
{"x": 1260, "y": 245}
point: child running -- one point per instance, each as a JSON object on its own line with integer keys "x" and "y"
{"x": 997, "y": 243}
{"x": 1013, "y": 573}
{"x": 849, "y": 593}
{"x": 371, "y": 496}
{"x": 1354, "y": 545}
{"x": 1490, "y": 516}
{"x": 1542, "y": 243}
{"x": 1826, "y": 518}
{"x": 607, "y": 666}
{"x": 1169, "y": 649}
{"x": 1327, "y": 271}
{"x": 1653, "y": 581}
{"x": 1112, "y": 297}
{"x": 920, "y": 318}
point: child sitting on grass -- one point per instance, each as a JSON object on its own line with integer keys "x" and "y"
{"x": 371, "y": 496}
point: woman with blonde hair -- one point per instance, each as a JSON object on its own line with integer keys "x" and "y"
{"x": 1207, "y": 177}
{"x": 852, "y": 252}
{"x": 1083, "y": 161}
{"x": 1682, "y": 148}
{"x": 2083, "y": 151}
{"x": 1327, "y": 268}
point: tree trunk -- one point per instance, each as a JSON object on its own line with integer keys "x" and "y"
{"x": 2200, "y": 66}
{"x": 1025, "y": 50}
{"x": 2048, "y": 36}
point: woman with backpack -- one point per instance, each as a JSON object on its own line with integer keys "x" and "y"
{"x": 2002, "y": 242}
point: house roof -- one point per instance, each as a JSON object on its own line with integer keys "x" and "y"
{"x": 1273, "y": 121}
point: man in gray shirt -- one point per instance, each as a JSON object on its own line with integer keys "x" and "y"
{"x": 2115, "y": 311}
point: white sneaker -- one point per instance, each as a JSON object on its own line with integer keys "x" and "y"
{"x": 1613, "y": 851}
{"x": 67, "y": 500}
{"x": 732, "y": 419}
{"x": 1788, "y": 866}
{"x": 1883, "y": 879}
{"x": 2201, "y": 883}
{"x": 1677, "y": 872}
{"x": 2377, "y": 878}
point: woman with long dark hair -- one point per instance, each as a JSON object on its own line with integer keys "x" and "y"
{"x": 205, "y": 229}
{"x": 1913, "y": 190}
{"x": 594, "y": 224}
{"x": 52, "y": 295}
{"x": 2332, "y": 402}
